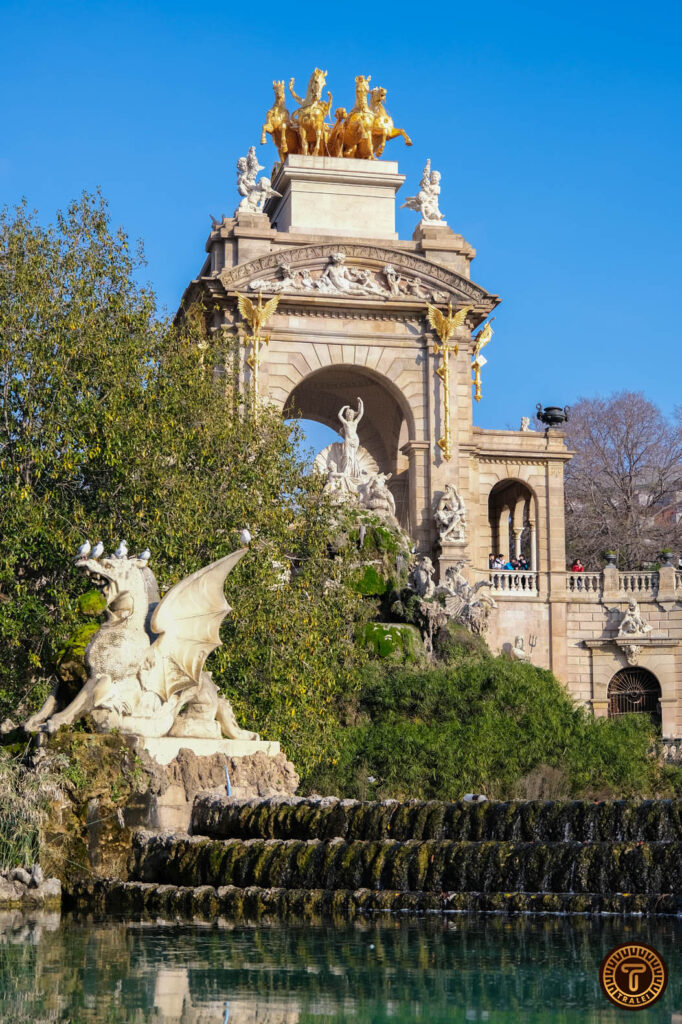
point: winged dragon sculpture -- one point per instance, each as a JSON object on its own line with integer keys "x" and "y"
{"x": 145, "y": 665}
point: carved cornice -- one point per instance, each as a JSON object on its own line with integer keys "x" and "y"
{"x": 646, "y": 642}
{"x": 348, "y": 312}
{"x": 507, "y": 459}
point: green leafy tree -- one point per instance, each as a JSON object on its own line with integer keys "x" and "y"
{"x": 115, "y": 423}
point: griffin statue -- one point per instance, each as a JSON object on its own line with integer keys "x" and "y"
{"x": 145, "y": 665}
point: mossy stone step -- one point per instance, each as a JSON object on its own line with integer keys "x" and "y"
{"x": 517, "y": 821}
{"x": 139, "y": 900}
{"x": 428, "y": 866}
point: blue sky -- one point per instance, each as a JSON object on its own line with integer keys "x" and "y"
{"x": 556, "y": 128}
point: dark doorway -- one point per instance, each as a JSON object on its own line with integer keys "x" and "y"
{"x": 635, "y": 691}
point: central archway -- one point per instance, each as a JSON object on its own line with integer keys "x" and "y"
{"x": 385, "y": 427}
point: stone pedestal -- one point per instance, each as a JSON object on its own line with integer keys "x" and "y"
{"x": 165, "y": 749}
{"x": 451, "y": 553}
{"x": 441, "y": 244}
{"x": 324, "y": 195}
{"x": 186, "y": 766}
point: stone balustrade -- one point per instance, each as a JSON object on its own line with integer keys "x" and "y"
{"x": 588, "y": 586}
{"x": 585, "y": 586}
{"x": 513, "y": 582}
{"x": 638, "y": 584}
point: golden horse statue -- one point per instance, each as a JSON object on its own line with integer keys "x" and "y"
{"x": 278, "y": 125}
{"x": 357, "y": 141}
{"x": 382, "y": 125}
{"x": 335, "y": 137}
{"x": 309, "y": 120}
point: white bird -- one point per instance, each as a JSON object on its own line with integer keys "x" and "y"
{"x": 245, "y": 537}
{"x": 145, "y": 555}
{"x": 98, "y": 550}
{"x": 84, "y": 550}
{"x": 121, "y": 551}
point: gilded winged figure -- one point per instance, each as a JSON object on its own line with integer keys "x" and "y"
{"x": 444, "y": 324}
{"x": 256, "y": 315}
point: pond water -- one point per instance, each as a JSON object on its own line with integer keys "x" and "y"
{"x": 496, "y": 969}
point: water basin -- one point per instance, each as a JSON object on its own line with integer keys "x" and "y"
{"x": 460, "y": 968}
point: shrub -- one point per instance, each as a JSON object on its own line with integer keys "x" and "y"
{"x": 487, "y": 725}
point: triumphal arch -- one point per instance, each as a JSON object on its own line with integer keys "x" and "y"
{"x": 356, "y": 317}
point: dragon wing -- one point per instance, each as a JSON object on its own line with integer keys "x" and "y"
{"x": 189, "y": 616}
{"x": 246, "y": 308}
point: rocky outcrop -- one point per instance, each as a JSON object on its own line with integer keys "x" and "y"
{"x": 23, "y": 889}
{"x": 111, "y": 788}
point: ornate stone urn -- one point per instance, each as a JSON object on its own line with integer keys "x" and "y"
{"x": 552, "y": 415}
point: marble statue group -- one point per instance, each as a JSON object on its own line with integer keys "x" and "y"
{"x": 351, "y": 473}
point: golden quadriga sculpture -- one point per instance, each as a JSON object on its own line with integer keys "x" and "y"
{"x": 362, "y": 133}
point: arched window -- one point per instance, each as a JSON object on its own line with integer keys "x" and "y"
{"x": 512, "y": 518}
{"x": 635, "y": 691}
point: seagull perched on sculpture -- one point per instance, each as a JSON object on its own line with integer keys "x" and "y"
{"x": 145, "y": 555}
{"x": 98, "y": 550}
{"x": 245, "y": 537}
{"x": 121, "y": 551}
{"x": 84, "y": 550}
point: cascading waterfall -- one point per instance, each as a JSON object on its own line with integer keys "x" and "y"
{"x": 312, "y": 858}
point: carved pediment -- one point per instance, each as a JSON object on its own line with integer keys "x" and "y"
{"x": 355, "y": 272}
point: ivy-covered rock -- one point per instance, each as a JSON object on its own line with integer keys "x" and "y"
{"x": 396, "y": 642}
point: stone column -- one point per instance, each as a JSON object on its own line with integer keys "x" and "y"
{"x": 609, "y": 584}
{"x": 503, "y": 533}
{"x": 666, "y": 587}
{"x": 533, "y": 545}
{"x": 600, "y": 708}
{"x": 518, "y": 530}
{"x": 669, "y": 729}
{"x": 421, "y": 513}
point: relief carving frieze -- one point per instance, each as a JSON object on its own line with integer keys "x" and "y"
{"x": 332, "y": 270}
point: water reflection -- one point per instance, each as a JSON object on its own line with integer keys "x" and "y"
{"x": 463, "y": 969}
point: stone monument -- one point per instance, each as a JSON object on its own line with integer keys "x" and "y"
{"x": 145, "y": 665}
{"x": 398, "y": 323}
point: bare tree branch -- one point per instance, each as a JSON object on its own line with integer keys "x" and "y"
{"x": 624, "y": 485}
